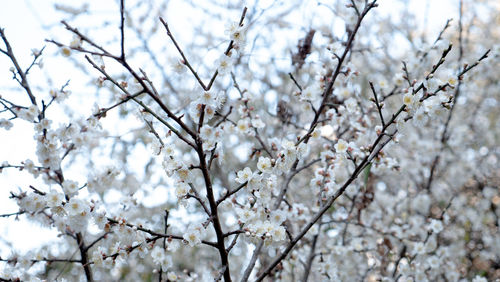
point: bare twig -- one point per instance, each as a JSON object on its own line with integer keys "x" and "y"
{"x": 122, "y": 29}
{"x": 208, "y": 86}
{"x": 230, "y": 193}
{"x": 24, "y": 79}
{"x": 379, "y": 107}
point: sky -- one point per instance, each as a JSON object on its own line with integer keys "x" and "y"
{"x": 23, "y": 21}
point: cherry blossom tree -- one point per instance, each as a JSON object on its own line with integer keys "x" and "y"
{"x": 351, "y": 147}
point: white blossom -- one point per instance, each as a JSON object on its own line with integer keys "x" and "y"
{"x": 264, "y": 164}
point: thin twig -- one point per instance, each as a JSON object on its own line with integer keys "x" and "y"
{"x": 122, "y": 28}
{"x": 379, "y": 107}
{"x": 156, "y": 234}
{"x": 24, "y": 79}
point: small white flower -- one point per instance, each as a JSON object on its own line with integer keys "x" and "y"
{"x": 258, "y": 123}
{"x": 343, "y": 93}
{"x": 357, "y": 244}
{"x": 7, "y": 124}
{"x": 399, "y": 79}
{"x": 54, "y": 198}
{"x": 264, "y": 164}
{"x": 194, "y": 110}
{"x": 243, "y": 126}
{"x": 207, "y": 98}
{"x": 207, "y": 132}
{"x": 75, "y": 206}
{"x": 418, "y": 248}
{"x": 209, "y": 112}
{"x": 311, "y": 93}
{"x": 433, "y": 262}
{"x": 225, "y": 64}
{"x": 178, "y": 66}
{"x": 436, "y": 226}
{"x": 76, "y": 42}
{"x": 169, "y": 150}
{"x": 420, "y": 118}
{"x": 245, "y": 215}
{"x": 192, "y": 237}
{"x": 181, "y": 189}
{"x": 383, "y": 84}
{"x": 451, "y": 79}
{"x": 316, "y": 134}
{"x": 410, "y": 100}
{"x": 351, "y": 105}
{"x": 341, "y": 146}
{"x": 33, "y": 202}
{"x": 70, "y": 187}
{"x": 100, "y": 219}
{"x": 184, "y": 174}
{"x": 336, "y": 48}
{"x": 278, "y": 233}
{"x": 236, "y": 33}
{"x": 156, "y": 146}
{"x": 479, "y": 279}
{"x": 244, "y": 175}
{"x": 157, "y": 254}
{"x": 171, "y": 276}
{"x": 29, "y": 114}
{"x": 432, "y": 84}
{"x": 278, "y": 216}
{"x": 97, "y": 256}
{"x": 65, "y": 51}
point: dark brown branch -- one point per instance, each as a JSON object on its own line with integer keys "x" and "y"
{"x": 49, "y": 260}
{"x": 84, "y": 257}
{"x": 156, "y": 234}
{"x": 230, "y": 193}
{"x": 80, "y": 49}
{"x": 122, "y": 29}
{"x": 295, "y": 81}
{"x": 88, "y": 40}
{"x": 103, "y": 236}
{"x": 186, "y": 61}
{"x": 235, "y": 239}
{"x": 213, "y": 211}
{"x": 146, "y": 108}
{"x": 311, "y": 256}
{"x": 165, "y": 218}
{"x": 402, "y": 254}
{"x": 12, "y": 214}
{"x": 329, "y": 88}
{"x": 125, "y": 64}
{"x": 103, "y": 112}
{"x": 196, "y": 196}
{"x": 24, "y": 79}
{"x": 379, "y": 107}
{"x": 37, "y": 55}
{"x": 157, "y": 99}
